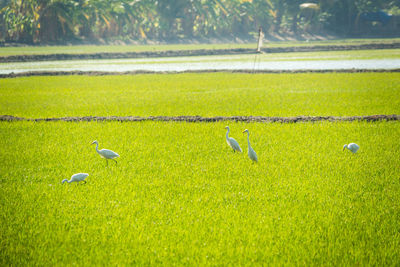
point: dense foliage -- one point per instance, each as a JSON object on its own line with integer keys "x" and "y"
{"x": 44, "y": 21}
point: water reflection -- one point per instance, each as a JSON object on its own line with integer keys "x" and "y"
{"x": 196, "y": 63}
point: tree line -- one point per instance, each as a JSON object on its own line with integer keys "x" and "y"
{"x": 57, "y": 21}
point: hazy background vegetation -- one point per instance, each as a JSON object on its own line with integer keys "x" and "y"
{"x": 144, "y": 21}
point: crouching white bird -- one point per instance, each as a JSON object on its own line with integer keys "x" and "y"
{"x": 78, "y": 177}
{"x": 353, "y": 147}
{"x": 232, "y": 142}
{"x": 106, "y": 153}
{"x": 250, "y": 151}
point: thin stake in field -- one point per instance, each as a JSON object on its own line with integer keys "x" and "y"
{"x": 258, "y": 51}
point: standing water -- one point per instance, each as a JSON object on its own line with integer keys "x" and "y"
{"x": 248, "y": 62}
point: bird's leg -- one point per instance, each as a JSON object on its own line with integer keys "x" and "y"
{"x": 106, "y": 162}
{"x": 84, "y": 182}
{"x": 116, "y": 163}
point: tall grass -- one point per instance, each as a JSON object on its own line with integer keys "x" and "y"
{"x": 180, "y": 196}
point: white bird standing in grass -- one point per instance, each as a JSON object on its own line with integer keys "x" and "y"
{"x": 78, "y": 177}
{"x": 353, "y": 147}
{"x": 106, "y": 153}
{"x": 250, "y": 151}
{"x": 232, "y": 142}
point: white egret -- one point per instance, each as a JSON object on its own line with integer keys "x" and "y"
{"x": 250, "y": 151}
{"x": 106, "y": 153}
{"x": 353, "y": 147}
{"x": 232, "y": 142}
{"x": 78, "y": 177}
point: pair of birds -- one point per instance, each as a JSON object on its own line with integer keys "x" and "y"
{"x": 235, "y": 145}
{"x": 104, "y": 153}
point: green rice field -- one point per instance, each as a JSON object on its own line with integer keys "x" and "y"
{"x": 179, "y": 196}
{"x": 204, "y": 94}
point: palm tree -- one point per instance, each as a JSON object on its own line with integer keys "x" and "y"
{"x": 55, "y": 20}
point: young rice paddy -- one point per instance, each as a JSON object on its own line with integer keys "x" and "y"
{"x": 179, "y": 195}
{"x": 204, "y": 94}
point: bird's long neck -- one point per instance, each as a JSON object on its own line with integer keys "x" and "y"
{"x": 65, "y": 180}
{"x": 227, "y": 134}
{"x": 248, "y": 139}
{"x": 97, "y": 147}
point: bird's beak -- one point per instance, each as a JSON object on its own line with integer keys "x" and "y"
{"x": 244, "y": 131}
{"x": 344, "y": 148}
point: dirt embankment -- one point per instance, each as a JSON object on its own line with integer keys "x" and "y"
{"x": 200, "y": 52}
{"x": 101, "y": 73}
{"x": 371, "y": 118}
